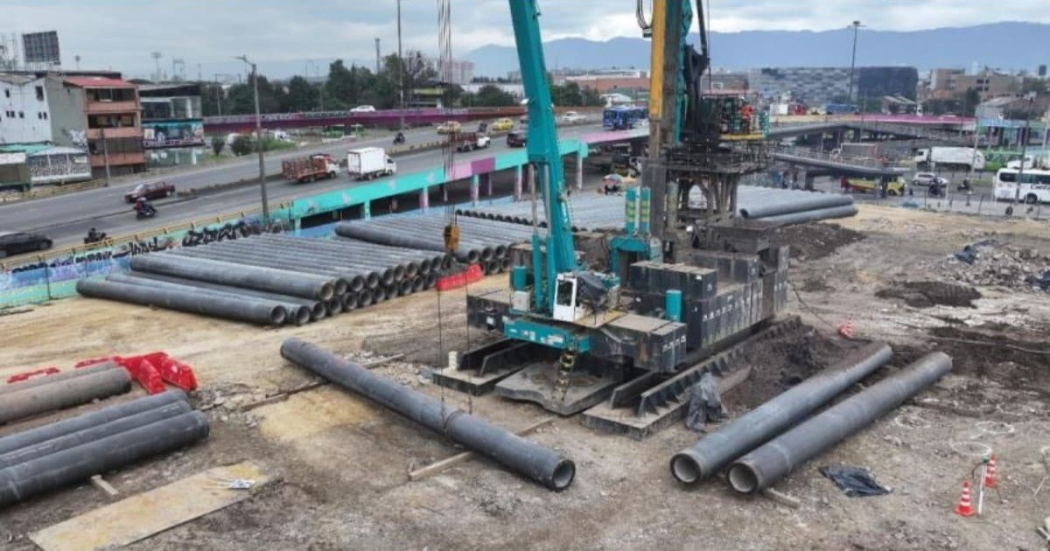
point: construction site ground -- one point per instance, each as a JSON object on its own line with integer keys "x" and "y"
{"x": 341, "y": 462}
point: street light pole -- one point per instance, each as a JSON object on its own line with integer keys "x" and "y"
{"x": 853, "y": 61}
{"x": 400, "y": 71}
{"x": 259, "y": 144}
{"x": 1024, "y": 145}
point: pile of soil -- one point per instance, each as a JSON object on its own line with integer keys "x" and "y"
{"x": 1012, "y": 361}
{"x": 998, "y": 264}
{"x": 814, "y": 241}
{"x": 925, "y": 294}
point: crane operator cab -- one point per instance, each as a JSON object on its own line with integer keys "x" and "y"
{"x": 582, "y": 294}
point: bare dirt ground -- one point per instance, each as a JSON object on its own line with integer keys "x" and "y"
{"x": 342, "y": 462}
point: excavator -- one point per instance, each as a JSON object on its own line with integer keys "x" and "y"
{"x": 579, "y": 330}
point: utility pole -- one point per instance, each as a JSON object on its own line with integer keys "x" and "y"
{"x": 218, "y": 93}
{"x": 259, "y": 143}
{"x": 400, "y": 73}
{"x": 1024, "y": 145}
{"x": 105, "y": 153}
{"x": 853, "y": 63}
{"x": 377, "y": 55}
{"x": 320, "y": 86}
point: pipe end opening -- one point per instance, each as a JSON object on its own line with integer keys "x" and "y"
{"x": 301, "y": 316}
{"x": 278, "y": 315}
{"x": 743, "y": 478}
{"x": 563, "y": 475}
{"x": 686, "y": 468}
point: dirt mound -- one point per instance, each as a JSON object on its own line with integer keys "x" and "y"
{"x": 924, "y": 294}
{"x": 1011, "y": 361}
{"x": 814, "y": 241}
{"x": 992, "y": 263}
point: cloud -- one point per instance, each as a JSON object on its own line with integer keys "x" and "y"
{"x": 282, "y": 35}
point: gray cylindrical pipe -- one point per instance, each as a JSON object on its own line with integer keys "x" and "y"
{"x": 63, "y": 394}
{"x": 778, "y": 457}
{"x": 718, "y": 449}
{"x": 317, "y": 308}
{"x": 814, "y": 201}
{"x": 263, "y": 279}
{"x": 335, "y": 306}
{"x": 75, "y": 464}
{"x": 91, "y": 434}
{"x": 373, "y": 234}
{"x": 350, "y": 302}
{"x": 297, "y": 314}
{"x": 61, "y": 376}
{"x": 341, "y": 282}
{"x": 813, "y": 215}
{"x": 246, "y": 309}
{"x": 61, "y": 428}
{"x": 518, "y": 454}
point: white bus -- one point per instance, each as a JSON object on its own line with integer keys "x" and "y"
{"x": 1034, "y": 189}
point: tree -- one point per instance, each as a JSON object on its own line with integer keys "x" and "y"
{"x": 414, "y": 72}
{"x": 591, "y": 98}
{"x": 217, "y": 145}
{"x": 301, "y": 96}
{"x": 568, "y": 94}
{"x": 489, "y": 95}
{"x": 1036, "y": 85}
{"x": 211, "y": 95}
{"x": 241, "y": 98}
{"x": 971, "y": 99}
{"x": 242, "y": 145}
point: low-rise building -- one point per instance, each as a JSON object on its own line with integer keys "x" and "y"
{"x": 171, "y": 115}
{"x": 24, "y": 113}
{"x": 27, "y": 165}
{"x": 102, "y": 115}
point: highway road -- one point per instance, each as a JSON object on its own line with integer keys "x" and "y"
{"x": 67, "y": 218}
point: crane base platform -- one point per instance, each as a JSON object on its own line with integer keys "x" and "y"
{"x": 544, "y": 384}
{"x": 482, "y": 367}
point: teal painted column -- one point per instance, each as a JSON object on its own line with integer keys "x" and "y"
{"x": 579, "y": 171}
{"x": 488, "y": 183}
{"x": 474, "y": 185}
{"x": 517, "y": 183}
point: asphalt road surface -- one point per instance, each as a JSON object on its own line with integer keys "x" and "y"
{"x": 67, "y": 218}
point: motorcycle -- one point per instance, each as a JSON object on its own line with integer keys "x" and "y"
{"x": 144, "y": 210}
{"x": 399, "y": 139}
{"x": 95, "y": 238}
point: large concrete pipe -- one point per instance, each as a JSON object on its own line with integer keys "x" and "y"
{"x": 718, "y": 449}
{"x": 297, "y": 314}
{"x": 263, "y": 279}
{"x": 61, "y": 376}
{"x": 265, "y": 258}
{"x": 778, "y": 457}
{"x": 91, "y": 434}
{"x": 240, "y": 309}
{"x": 44, "y": 433}
{"x": 518, "y": 454}
{"x": 260, "y": 261}
{"x": 75, "y": 464}
{"x": 350, "y": 302}
{"x": 813, "y": 215}
{"x": 359, "y": 253}
{"x": 334, "y": 307}
{"x": 812, "y": 201}
{"x": 366, "y": 232}
{"x": 63, "y": 394}
{"x": 317, "y": 308}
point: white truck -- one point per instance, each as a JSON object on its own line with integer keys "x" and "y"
{"x": 1041, "y": 162}
{"x": 369, "y": 162}
{"x": 964, "y": 157}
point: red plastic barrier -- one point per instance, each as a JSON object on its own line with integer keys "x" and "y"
{"x": 472, "y": 274}
{"x": 143, "y": 371}
{"x": 177, "y": 373}
{"x": 93, "y": 361}
{"x": 42, "y": 372}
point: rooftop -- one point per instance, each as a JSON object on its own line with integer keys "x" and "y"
{"x": 98, "y": 82}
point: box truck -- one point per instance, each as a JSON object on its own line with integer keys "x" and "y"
{"x": 369, "y": 162}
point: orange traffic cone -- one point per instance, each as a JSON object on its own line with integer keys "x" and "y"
{"x": 846, "y": 329}
{"x": 965, "y": 508}
{"x": 989, "y": 474}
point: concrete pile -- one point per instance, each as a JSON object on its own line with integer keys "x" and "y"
{"x": 481, "y": 241}
{"x": 62, "y": 390}
{"x": 70, "y": 451}
{"x": 272, "y": 279}
{"x": 606, "y": 212}
{"x": 993, "y": 264}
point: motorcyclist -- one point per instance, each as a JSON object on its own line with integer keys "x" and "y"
{"x": 399, "y": 138}
{"x": 94, "y": 235}
{"x": 144, "y": 207}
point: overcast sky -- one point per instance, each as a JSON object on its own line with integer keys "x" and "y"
{"x": 281, "y": 35}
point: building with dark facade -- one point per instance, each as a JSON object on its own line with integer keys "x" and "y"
{"x": 821, "y": 85}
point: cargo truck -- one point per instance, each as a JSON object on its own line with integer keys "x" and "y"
{"x": 369, "y": 162}
{"x": 308, "y": 169}
{"x": 471, "y": 140}
{"x": 944, "y": 157}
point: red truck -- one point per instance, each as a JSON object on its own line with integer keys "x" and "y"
{"x": 308, "y": 169}
{"x": 469, "y": 141}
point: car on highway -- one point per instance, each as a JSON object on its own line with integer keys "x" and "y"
{"x": 572, "y": 117}
{"x": 12, "y": 243}
{"x": 449, "y": 127}
{"x": 516, "y": 138}
{"x": 363, "y": 109}
{"x": 155, "y": 190}
{"x": 502, "y": 125}
{"x": 927, "y": 178}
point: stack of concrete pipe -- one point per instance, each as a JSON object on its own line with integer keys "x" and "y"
{"x": 486, "y": 242}
{"x": 765, "y": 444}
{"x": 606, "y": 212}
{"x": 70, "y": 451}
{"x": 273, "y": 279}
{"x": 61, "y": 390}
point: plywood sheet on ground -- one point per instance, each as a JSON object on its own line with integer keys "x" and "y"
{"x": 141, "y": 516}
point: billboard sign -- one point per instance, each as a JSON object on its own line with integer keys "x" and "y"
{"x": 173, "y": 133}
{"x": 41, "y": 48}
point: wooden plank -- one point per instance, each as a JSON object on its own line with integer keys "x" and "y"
{"x": 144, "y": 515}
{"x": 782, "y": 498}
{"x": 100, "y": 483}
{"x": 446, "y": 464}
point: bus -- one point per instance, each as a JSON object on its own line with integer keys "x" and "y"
{"x": 623, "y": 117}
{"x": 1035, "y": 187}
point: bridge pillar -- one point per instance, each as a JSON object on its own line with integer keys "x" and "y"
{"x": 809, "y": 179}
{"x": 487, "y": 177}
{"x": 424, "y": 199}
{"x": 444, "y": 192}
{"x": 366, "y": 210}
{"x": 579, "y": 171}
{"x": 531, "y": 179}
{"x": 517, "y": 183}
{"x": 474, "y": 183}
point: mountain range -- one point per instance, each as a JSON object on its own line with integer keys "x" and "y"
{"x": 1011, "y": 46}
